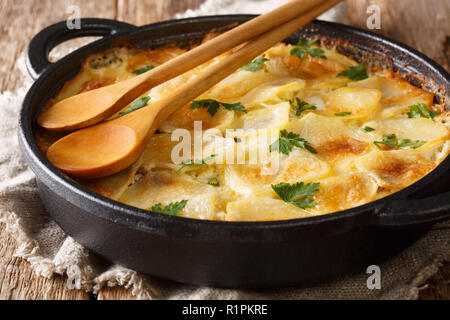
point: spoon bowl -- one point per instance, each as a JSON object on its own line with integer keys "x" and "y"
{"x": 94, "y": 151}
{"x": 73, "y": 113}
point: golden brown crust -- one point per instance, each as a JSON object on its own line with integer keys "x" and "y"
{"x": 342, "y": 147}
{"x": 154, "y": 57}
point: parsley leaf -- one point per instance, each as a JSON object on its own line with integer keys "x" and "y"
{"x": 214, "y": 105}
{"x": 343, "y": 114}
{"x": 306, "y": 43}
{"x": 171, "y": 209}
{"x": 143, "y": 69}
{"x": 189, "y": 163}
{"x": 298, "y": 194}
{"x": 211, "y": 104}
{"x": 214, "y": 182}
{"x": 409, "y": 144}
{"x": 421, "y": 110}
{"x": 234, "y": 106}
{"x": 391, "y": 140}
{"x": 304, "y": 46}
{"x": 287, "y": 141}
{"x": 255, "y": 65}
{"x": 299, "y": 106}
{"x": 367, "y": 129}
{"x": 135, "y": 105}
{"x": 316, "y": 52}
{"x": 355, "y": 73}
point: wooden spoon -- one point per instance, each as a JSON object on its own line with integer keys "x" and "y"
{"x": 111, "y": 146}
{"x": 93, "y": 106}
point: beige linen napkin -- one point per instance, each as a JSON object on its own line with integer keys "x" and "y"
{"x": 50, "y": 251}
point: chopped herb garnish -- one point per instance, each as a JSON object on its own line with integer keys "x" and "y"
{"x": 343, "y": 114}
{"x": 304, "y": 46}
{"x": 143, "y": 69}
{"x": 214, "y": 182}
{"x": 355, "y": 73}
{"x": 171, "y": 209}
{"x": 189, "y": 163}
{"x": 306, "y": 43}
{"x": 287, "y": 141}
{"x": 299, "y": 106}
{"x": 367, "y": 129}
{"x": 409, "y": 144}
{"x": 255, "y": 65}
{"x": 298, "y": 194}
{"x": 214, "y": 105}
{"x": 421, "y": 110}
{"x": 135, "y": 105}
{"x": 391, "y": 140}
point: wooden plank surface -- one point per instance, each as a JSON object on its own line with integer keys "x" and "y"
{"x": 17, "y": 280}
{"x": 419, "y": 23}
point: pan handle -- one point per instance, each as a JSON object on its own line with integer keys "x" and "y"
{"x": 48, "y": 38}
{"x": 406, "y": 212}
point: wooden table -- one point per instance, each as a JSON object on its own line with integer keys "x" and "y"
{"x": 419, "y": 23}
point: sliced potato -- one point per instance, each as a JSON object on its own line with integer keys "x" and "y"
{"x": 271, "y": 92}
{"x": 395, "y": 91}
{"x": 238, "y": 84}
{"x": 312, "y": 68}
{"x": 415, "y": 129}
{"x": 360, "y": 103}
{"x": 256, "y": 180}
{"x": 185, "y": 118}
{"x": 394, "y": 169}
{"x": 334, "y": 139}
{"x": 166, "y": 186}
{"x": 263, "y": 209}
{"x": 115, "y": 185}
{"x": 400, "y": 107}
{"x": 272, "y": 118}
{"x": 343, "y": 192}
{"x": 302, "y": 165}
{"x": 309, "y": 68}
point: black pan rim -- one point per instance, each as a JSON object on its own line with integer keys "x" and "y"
{"x": 142, "y": 216}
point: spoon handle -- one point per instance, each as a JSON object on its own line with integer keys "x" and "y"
{"x": 221, "y": 44}
{"x": 94, "y": 106}
{"x": 159, "y": 111}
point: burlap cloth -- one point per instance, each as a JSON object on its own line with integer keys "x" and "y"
{"x": 49, "y": 250}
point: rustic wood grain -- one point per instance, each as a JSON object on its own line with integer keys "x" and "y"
{"x": 21, "y": 20}
{"x": 115, "y": 293}
{"x": 145, "y": 12}
{"x": 18, "y": 282}
{"x": 419, "y": 23}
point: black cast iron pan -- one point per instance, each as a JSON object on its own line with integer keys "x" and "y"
{"x": 227, "y": 254}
